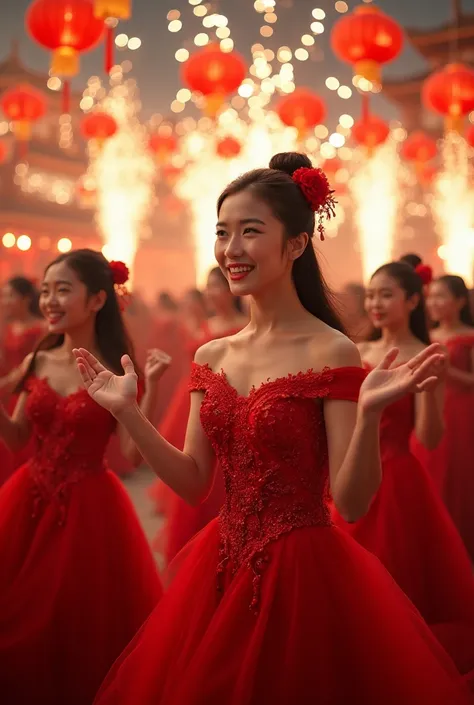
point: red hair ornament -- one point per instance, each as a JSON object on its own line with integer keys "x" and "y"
{"x": 120, "y": 276}
{"x": 425, "y": 273}
{"x": 317, "y": 191}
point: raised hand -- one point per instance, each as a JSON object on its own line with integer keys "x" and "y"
{"x": 115, "y": 393}
{"x": 385, "y": 384}
{"x": 157, "y": 362}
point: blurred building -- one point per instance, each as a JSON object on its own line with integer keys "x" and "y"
{"x": 44, "y": 197}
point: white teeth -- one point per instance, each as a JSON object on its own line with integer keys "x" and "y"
{"x": 239, "y": 270}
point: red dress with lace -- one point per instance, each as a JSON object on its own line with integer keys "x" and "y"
{"x": 451, "y": 464}
{"x": 272, "y": 605}
{"x": 77, "y": 578}
{"x": 408, "y": 528}
{"x": 14, "y": 348}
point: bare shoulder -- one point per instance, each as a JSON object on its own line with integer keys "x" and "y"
{"x": 364, "y": 348}
{"x": 212, "y": 353}
{"x": 335, "y": 349}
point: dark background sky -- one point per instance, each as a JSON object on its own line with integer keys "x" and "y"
{"x": 157, "y": 71}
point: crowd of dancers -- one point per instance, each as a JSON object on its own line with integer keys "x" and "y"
{"x": 314, "y": 470}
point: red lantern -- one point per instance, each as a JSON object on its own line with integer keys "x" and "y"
{"x": 302, "y": 109}
{"x": 450, "y": 92}
{"x": 67, "y": 28}
{"x": 367, "y": 38}
{"x": 371, "y": 131}
{"x": 98, "y": 126}
{"x": 110, "y": 12}
{"x": 228, "y": 148}
{"x": 163, "y": 146}
{"x": 419, "y": 148}
{"x": 23, "y": 105}
{"x": 215, "y": 74}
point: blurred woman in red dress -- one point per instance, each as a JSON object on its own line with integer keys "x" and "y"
{"x": 272, "y": 604}
{"x": 24, "y": 327}
{"x": 77, "y": 576}
{"x": 407, "y": 526}
{"x": 452, "y": 464}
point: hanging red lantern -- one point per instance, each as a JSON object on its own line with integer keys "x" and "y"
{"x": 23, "y": 106}
{"x": 302, "y": 109}
{"x": 110, "y": 12}
{"x": 163, "y": 146}
{"x": 367, "y": 38}
{"x": 370, "y": 132}
{"x": 419, "y": 148}
{"x": 450, "y": 92}
{"x": 67, "y": 28}
{"x": 98, "y": 126}
{"x": 228, "y": 147}
{"x": 215, "y": 74}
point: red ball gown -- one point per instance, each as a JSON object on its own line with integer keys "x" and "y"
{"x": 14, "y": 348}
{"x": 273, "y": 605}
{"x": 452, "y": 463}
{"x": 77, "y": 577}
{"x": 408, "y": 528}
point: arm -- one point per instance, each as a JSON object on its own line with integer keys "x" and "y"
{"x": 353, "y": 447}
{"x": 429, "y": 423}
{"x": 15, "y": 429}
{"x": 9, "y": 381}
{"x": 458, "y": 375}
{"x": 188, "y": 473}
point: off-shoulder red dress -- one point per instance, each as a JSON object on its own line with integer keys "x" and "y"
{"x": 273, "y": 605}
{"x": 77, "y": 577}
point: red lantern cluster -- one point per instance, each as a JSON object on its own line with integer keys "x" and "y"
{"x": 215, "y": 74}
{"x": 450, "y": 92}
{"x": 419, "y": 148}
{"x": 367, "y": 38}
{"x": 67, "y": 28}
{"x": 370, "y": 132}
{"x": 163, "y": 146}
{"x": 228, "y": 148}
{"x": 23, "y": 106}
{"x": 302, "y": 109}
{"x": 98, "y": 126}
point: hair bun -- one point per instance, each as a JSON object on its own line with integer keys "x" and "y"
{"x": 289, "y": 162}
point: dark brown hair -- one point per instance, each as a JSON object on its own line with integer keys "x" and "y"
{"x": 94, "y": 272}
{"x": 27, "y": 290}
{"x": 278, "y": 190}
{"x": 457, "y": 288}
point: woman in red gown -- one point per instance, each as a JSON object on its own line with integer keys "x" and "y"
{"x": 407, "y": 527}
{"x": 182, "y": 521}
{"x": 77, "y": 576}
{"x": 452, "y": 464}
{"x": 23, "y": 329}
{"x": 273, "y": 605}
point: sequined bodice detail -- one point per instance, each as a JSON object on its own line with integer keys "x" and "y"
{"x": 272, "y": 449}
{"x": 70, "y": 435}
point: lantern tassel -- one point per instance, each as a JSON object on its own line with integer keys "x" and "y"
{"x": 66, "y": 99}
{"x": 109, "y": 47}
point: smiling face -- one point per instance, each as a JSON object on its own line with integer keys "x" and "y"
{"x": 251, "y": 248}
{"x": 386, "y": 302}
{"x": 65, "y": 302}
{"x": 442, "y": 305}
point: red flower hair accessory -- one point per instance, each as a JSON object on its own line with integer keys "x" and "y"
{"x": 425, "y": 273}
{"x": 317, "y": 191}
{"x": 120, "y": 275}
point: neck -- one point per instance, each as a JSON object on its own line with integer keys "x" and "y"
{"x": 396, "y": 337}
{"x": 276, "y": 307}
{"x": 449, "y": 325}
{"x": 83, "y": 337}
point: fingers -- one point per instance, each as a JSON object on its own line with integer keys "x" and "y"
{"x": 430, "y": 368}
{"x": 86, "y": 378}
{"x": 158, "y": 356}
{"x": 127, "y": 365}
{"x": 90, "y": 360}
{"x": 388, "y": 359}
{"x": 424, "y": 355}
{"x": 427, "y": 385}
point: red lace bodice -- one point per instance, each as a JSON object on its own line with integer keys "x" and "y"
{"x": 70, "y": 434}
{"x": 272, "y": 449}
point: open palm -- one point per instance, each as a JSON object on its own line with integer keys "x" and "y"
{"x": 384, "y": 385}
{"x": 115, "y": 393}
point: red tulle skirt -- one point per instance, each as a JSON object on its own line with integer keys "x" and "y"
{"x": 409, "y": 530}
{"x": 72, "y": 595}
{"x": 333, "y": 628}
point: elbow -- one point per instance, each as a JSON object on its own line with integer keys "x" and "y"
{"x": 432, "y": 440}
{"x": 354, "y": 508}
